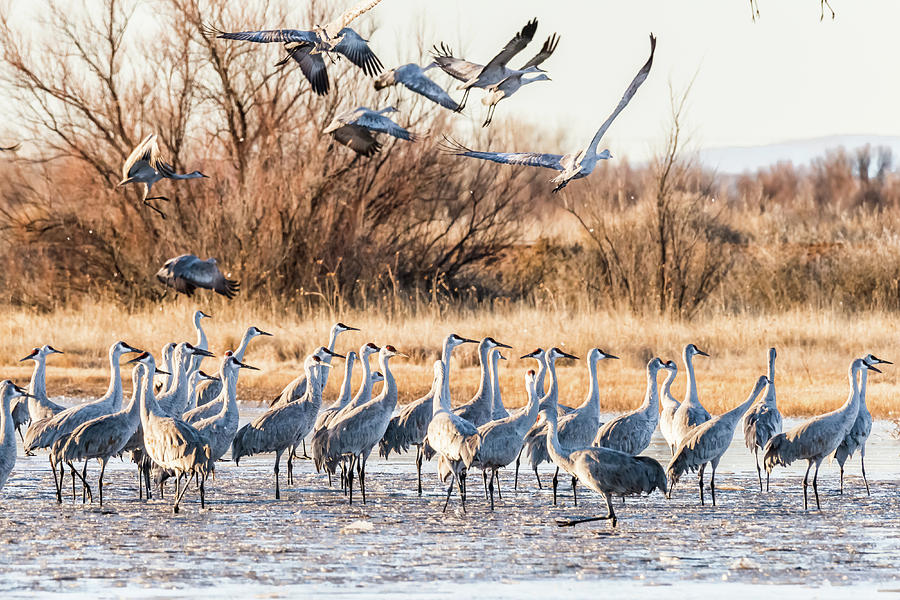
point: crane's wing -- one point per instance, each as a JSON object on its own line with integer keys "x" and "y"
{"x": 529, "y": 159}
{"x": 546, "y": 50}
{"x": 147, "y": 150}
{"x": 457, "y": 68}
{"x": 171, "y": 273}
{"x": 359, "y": 139}
{"x": 262, "y": 36}
{"x": 206, "y": 274}
{"x": 334, "y": 28}
{"x": 420, "y": 83}
{"x": 312, "y": 65}
{"x": 357, "y": 50}
{"x": 12, "y": 148}
{"x": 375, "y": 122}
{"x": 514, "y": 46}
{"x": 629, "y": 93}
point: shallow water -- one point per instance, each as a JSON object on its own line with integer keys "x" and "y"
{"x": 245, "y": 542}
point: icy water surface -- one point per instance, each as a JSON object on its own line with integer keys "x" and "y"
{"x": 247, "y": 544}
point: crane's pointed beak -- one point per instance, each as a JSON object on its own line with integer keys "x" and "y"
{"x": 701, "y": 352}
{"x": 201, "y": 352}
{"x": 261, "y": 332}
{"x": 205, "y": 375}
{"x": 160, "y": 371}
{"x": 138, "y": 358}
{"x": 605, "y": 355}
{"x": 30, "y": 356}
{"x": 335, "y": 354}
{"x": 245, "y": 366}
{"x": 872, "y": 368}
{"x": 567, "y": 355}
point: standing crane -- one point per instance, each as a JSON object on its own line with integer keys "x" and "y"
{"x": 763, "y": 420}
{"x": 479, "y": 409}
{"x": 816, "y": 438}
{"x": 37, "y": 405}
{"x": 669, "y": 407}
{"x": 691, "y": 413}
{"x": 8, "y": 392}
{"x": 630, "y": 433}
{"x": 708, "y": 442}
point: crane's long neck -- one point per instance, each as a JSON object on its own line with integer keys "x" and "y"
{"x": 242, "y": 348}
{"x": 863, "y": 378}
{"x": 690, "y": 394}
{"x": 592, "y": 402}
{"x": 230, "y": 388}
{"x": 201, "y": 335}
{"x": 332, "y": 340}
{"x": 344, "y": 397}
{"x": 484, "y": 388}
{"x": 539, "y": 380}
{"x": 389, "y": 393}
{"x": 735, "y": 414}
{"x": 193, "y": 384}
{"x": 149, "y": 405}
{"x": 851, "y": 406}
{"x": 651, "y": 398}
{"x": 365, "y": 388}
{"x": 497, "y": 399}
{"x": 134, "y": 409}
{"x": 6, "y": 421}
{"x": 559, "y": 455}
{"x": 170, "y": 378}
{"x": 179, "y": 385}
{"x": 530, "y": 414}
{"x": 667, "y": 399}
{"x": 114, "y": 391}
{"x": 441, "y": 400}
{"x": 38, "y": 385}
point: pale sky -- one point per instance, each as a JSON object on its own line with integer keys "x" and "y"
{"x": 785, "y": 77}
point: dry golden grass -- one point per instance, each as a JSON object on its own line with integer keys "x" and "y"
{"x": 814, "y": 349}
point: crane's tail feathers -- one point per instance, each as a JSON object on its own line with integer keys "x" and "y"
{"x": 427, "y": 451}
{"x": 209, "y": 31}
{"x": 443, "y": 51}
{"x": 777, "y": 452}
{"x": 450, "y": 146}
{"x": 469, "y": 449}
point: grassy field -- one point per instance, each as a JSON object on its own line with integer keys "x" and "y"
{"x": 814, "y": 349}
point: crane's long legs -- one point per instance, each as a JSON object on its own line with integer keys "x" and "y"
{"x": 180, "y": 494}
{"x": 277, "y": 485}
{"x": 100, "y": 484}
{"x": 461, "y": 480}
{"x": 57, "y": 481}
{"x": 305, "y": 454}
{"x": 497, "y": 477}
{"x": 555, "y": 484}
{"x": 700, "y": 477}
{"x": 449, "y": 491}
{"x": 816, "y": 485}
{"x": 86, "y": 489}
{"x": 758, "y": 470}
{"x": 490, "y": 487}
{"x": 419, "y": 457}
{"x": 841, "y": 465}
{"x": 516, "y": 481}
{"x": 712, "y": 484}
{"x": 575, "y": 494}
{"x": 862, "y": 462}
{"x": 350, "y": 479}
{"x": 290, "y": 466}
{"x": 610, "y": 516}
{"x": 484, "y": 480}
{"x": 536, "y": 476}
{"x": 202, "y": 492}
{"x": 361, "y": 467}
{"x": 805, "y": 484}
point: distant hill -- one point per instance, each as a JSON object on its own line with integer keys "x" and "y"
{"x": 738, "y": 159}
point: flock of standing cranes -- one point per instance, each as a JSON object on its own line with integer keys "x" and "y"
{"x": 181, "y": 424}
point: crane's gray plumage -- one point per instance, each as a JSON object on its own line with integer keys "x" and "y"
{"x": 413, "y": 77}
{"x": 354, "y": 433}
{"x": 451, "y": 436}
{"x": 8, "y": 392}
{"x": 515, "y": 80}
{"x": 763, "y": 420}
{"x": 186, "y": 273}
{"x": 164, "y": 382}
{"x": 108, "y": 435}
{"x": 630, "y": 433}
{"x": 221, "y": 428}
{"x": 202, "y": 342}
{"x": 171, "y": 443}
{"x": 691, "y": 413}
{"x": 276, "y": 429}
{"x": 479, "y": 409}
{"x": 669, "y": 407}
{"x": 144, "y": 165}
{"x": 816, "y": 438}
{"x": 307, "y": 47}
{"x": 498, "y": 411}
{"x": 571, "y": 166}
{"x": 175, "y": 400}
{"x": 708, "y": 442}
{"x": 603, "y": 470}
{"x": 859, "y": 433}
{"x": 354, "y": 129}
{"x": 501, "y": 440}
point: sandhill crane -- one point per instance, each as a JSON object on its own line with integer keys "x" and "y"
{"x": 763, "y": 420}
{"x": 691, "y": 413}
{"x": 498, "y": 411}
{"x": 45, "y": 432}
{"x": 354, "y": 433}
{"x": 451, "y": 436}
{"x": 297, "y": 388}
{"x": 221, "y": 428}
{"x": 8, "y": 392}
{"x": 171, "y": 443}
{"x": 413, "y": 77}
{"x": 511, "y": 84}
{"x": 144, "y": 165}
{"x": 669, "y": 407}
{"x": 476, "y": 76}
{"x": 186, "y": 273}
{"x": 37, "y": 405}
{"x": 603, "y": 470}
{"x": 197, "y": 378}
{"x": 708, "y": 442}
{"x": 193, "y": 413}
{"x": 202, "y": 342}
{"x": 478, "y": 410}
{"x": 175, "y": 400}
{"x": 354, "y": 129}
{"x": 276, "y": 429}
{"x": 576, "y": 429}
{"x": 862, "y": 427}
{"x": 108, "y": 435}
{"x": 308, "y": 48}
{"x": 501, "y": 439}
{"x": 209, "y": 390}
{"x": 410, "y": 426}
{"x": 326, "y": 414}
{"x": 816, "y": 438}
{"x": 571, "y": 166}
{"x": 630, "y": 433}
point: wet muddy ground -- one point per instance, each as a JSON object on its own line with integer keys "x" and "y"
{"x": 246, "y": 543}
